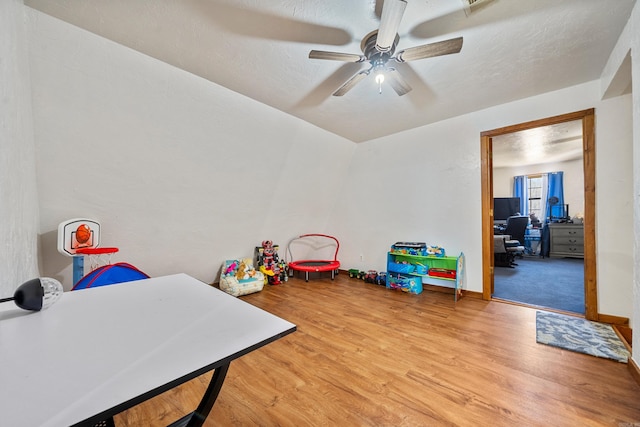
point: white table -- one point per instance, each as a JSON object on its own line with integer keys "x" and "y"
{"x": 99, "y": 351}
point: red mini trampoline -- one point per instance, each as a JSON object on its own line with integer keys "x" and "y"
{"x": 314, "y": 265}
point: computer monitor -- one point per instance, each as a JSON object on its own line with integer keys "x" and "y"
{"x": 504, "y": 207}
{"x": 559, "y": 212}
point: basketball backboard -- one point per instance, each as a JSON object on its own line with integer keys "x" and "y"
{"x": 78, "y": 233}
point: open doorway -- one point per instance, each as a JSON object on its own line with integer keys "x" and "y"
{"x": 546, "y": 269}
{"x": 587, "y": 119}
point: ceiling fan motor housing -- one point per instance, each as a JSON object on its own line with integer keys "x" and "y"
{"x": 373, "y": 55}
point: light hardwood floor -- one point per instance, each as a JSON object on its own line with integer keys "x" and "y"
{"x": 367, "y": 356}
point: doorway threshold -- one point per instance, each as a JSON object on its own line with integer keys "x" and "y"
{"x": 538, "y": 307}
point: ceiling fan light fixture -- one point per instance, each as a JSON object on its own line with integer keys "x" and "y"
{"x": 380, "y": 80}
{"x": 389, "y": 22}
{"x": 378, "y": 71}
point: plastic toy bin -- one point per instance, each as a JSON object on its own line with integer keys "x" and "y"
{"x": 401, "y": 267}
{"x": 409, "y": 248}
{"x": 411, "y": 285}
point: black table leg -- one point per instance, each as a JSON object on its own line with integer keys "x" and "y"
{"x": 197, "y": 417}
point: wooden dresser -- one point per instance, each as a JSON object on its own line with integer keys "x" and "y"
{"x": 566, "y": 240}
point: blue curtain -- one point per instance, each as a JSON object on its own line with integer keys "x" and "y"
{"x": 520, "y": 190}
{"x": 556, "y": 190}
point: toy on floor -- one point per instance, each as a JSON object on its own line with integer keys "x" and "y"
{"x": 355, "y": 273}
{"x": 314, "y": 265}
{"x": 269, "y": 263}
{"x": 79, "y": 238}
{"x": 371, "y": 276}
{"x": 239, "y": 277}
{"x": 284, "y": 271}
{"x": 110, "y": 274}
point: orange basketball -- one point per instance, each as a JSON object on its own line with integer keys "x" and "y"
{"x": 83, "y": 233}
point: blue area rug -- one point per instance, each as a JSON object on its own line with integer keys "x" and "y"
{"x": 556, "y": 283}
{"x": 580, "y": 335}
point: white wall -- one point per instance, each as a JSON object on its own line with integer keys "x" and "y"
{"x": 621, "y": 71}
{"x": 182, "y": 173}
{"x": 420, "y": 185}
{"x": 573, "y": 179}
{"x": 634, "y": 24}
{"x": 503, "y": 182}
{"x": 614, "y": 208}
{"x": 18, "y": 194}
{"x": 424, "y": 185}
{"x": 634, "y": 44}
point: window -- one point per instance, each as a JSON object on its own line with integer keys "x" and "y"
{"x": 534, "y": 190}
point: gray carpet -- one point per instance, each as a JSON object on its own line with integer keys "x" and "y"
{"x": 545, "y": 282}
{"x": 580, "y": 335}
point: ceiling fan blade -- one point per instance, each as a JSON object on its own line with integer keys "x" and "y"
{"x": 430, "y": 50}
{"x": 397, "y": 82}
{"x": 377, "y": 10}
{"x": 392, "y": 12}
{"x": 336, "y": 56}
{"x": 351, "y": 83}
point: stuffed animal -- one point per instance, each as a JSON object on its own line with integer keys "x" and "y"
{"x": 231, "y": 268}
{"x": 245, "y": 269}
{"x": 241, "y": 272}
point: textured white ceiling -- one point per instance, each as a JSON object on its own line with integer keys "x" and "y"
{"x": 547, "y": 144}
{"x": 512, "y": 49}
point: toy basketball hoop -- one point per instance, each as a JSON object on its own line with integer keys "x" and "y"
{"x": 79, "y": 237}
{"x": 97, "y": 256}
{"x": 78, "y": 233}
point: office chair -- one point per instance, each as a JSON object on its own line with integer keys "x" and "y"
{"x": 516, "y": 228}
{"x": 501, "y": 257}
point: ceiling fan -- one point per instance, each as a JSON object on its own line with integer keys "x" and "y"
{"x": 378, "y": 48}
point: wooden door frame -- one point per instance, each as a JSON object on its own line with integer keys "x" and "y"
{"x": 589, "y": 169}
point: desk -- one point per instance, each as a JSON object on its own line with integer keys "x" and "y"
{"x": 532, "y": 239}
{"x": 99, "y": 351}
